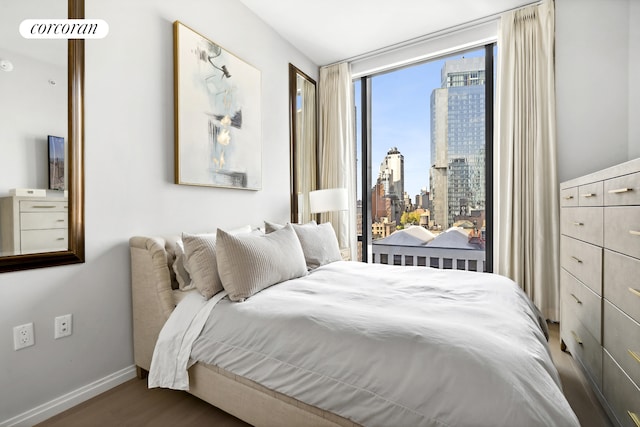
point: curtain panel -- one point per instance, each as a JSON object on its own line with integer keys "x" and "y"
{"x": 306, "y": 131}
{"x": 336, "y": 150}
{"x": 527, "y": 219}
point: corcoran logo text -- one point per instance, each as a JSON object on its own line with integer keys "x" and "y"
{"x": 63, "y": 28}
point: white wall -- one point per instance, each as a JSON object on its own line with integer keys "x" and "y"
{"x": 130, "y": 190}
{"x": 597, "y": 107}
{"x": 634, "y": 81}
{"x": 30, "y": 109}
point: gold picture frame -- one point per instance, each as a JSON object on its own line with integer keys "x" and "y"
{"x": 218, "y": 123}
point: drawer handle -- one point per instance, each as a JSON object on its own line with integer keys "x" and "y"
{"x": 634, "y": 232}
{"x": 587, "y": 195}
{"x": 620, "y": 190}
{"x": 60, "y": 220}
{"x": 634, "y": 355}
{"x": 43, "y": 206}
{"x": 576, "y": 337}
{"x": 577, "y": 224}
{"x": 635, "y": 292}
{"x": 60, "y": 238}
{"x": 576, "y": 298}
{"x": 634, "y": 417}
{"x": 578, "y": 260}
{"x": 568, "y": 197}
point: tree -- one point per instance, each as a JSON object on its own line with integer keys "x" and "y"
{"x": 411, "y": 218}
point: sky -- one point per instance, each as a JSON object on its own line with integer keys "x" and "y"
{"x": 401, "y": 117}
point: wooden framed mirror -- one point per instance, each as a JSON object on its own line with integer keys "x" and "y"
{"x": 72, "y": 203}
{"x": 303, "y": 135}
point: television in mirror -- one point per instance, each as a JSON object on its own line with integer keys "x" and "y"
{"x": 56, "y": 162}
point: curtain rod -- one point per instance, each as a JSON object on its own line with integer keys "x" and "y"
{"x": 439, "y": 33}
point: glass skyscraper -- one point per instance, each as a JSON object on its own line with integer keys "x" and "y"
{"x": 457, "y": 174}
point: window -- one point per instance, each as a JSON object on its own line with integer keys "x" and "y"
{"x": 424, "y": 161}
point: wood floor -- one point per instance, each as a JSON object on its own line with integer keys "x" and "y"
{"x": 576, "y": 388}
{"x": 132, "y": 404}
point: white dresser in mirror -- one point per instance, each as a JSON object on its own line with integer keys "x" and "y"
{"x": 33, "y": 225}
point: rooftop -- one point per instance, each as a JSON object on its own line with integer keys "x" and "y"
{"x": 453, "y": 238}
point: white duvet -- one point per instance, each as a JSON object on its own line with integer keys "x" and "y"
{"x": 383, "y": 346}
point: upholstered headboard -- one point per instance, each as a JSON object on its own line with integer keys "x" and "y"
{"x": 152, "y": 283}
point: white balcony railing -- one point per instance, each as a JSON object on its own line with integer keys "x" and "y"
{"x": 424, "y": 256}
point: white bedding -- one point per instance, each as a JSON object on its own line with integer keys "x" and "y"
{"x": 391, "y": 346}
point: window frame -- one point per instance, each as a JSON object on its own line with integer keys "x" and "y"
{"x": 364, "y": 238}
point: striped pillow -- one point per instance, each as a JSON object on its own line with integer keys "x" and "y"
{"x": 200, "y": 260}
{"x": 248, "y": 263}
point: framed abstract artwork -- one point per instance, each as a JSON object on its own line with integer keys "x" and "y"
{"x": 218, "y": 122}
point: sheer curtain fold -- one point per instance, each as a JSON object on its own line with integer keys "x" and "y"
{"x": 306, "y": 176}
{"x": 527, "y": 209}
{"x": 336, "y": 150}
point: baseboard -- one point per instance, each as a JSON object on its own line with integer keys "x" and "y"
{"x": 69, "y": 400}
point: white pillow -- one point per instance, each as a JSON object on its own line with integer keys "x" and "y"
{"x": 249, "y": 263}
{"x": 200, "y": 260}
{"x": 319, "y": 244}
{"x": 270, "y": 227}
{"x": 180, "y": 268}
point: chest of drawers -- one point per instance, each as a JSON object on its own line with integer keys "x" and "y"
{"x": 600, "y": 284}
{"x": 33, "y": 224}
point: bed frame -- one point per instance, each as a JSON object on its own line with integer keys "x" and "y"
{"x": 155, "y": 295}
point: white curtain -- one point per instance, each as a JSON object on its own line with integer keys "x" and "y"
{"x": 336, "y": 151}
{"x": 306, "y": 157}
{"x": 527, "y": 204}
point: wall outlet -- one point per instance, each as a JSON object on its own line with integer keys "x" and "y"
{"x": 62, "y": 326}
{"x": 23, "y": 336}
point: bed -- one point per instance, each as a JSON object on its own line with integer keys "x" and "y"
{"x": 348, "y": 344}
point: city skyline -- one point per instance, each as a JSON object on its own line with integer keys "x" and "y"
{"x": 400, "y": 117}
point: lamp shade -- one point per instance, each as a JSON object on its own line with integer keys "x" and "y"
{"x": 329, "y": 200}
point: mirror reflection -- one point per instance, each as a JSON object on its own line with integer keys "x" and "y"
{"x": 41, "y": 113}
{"x": 33, "y": 107}
{"x": 303, "y": 134}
